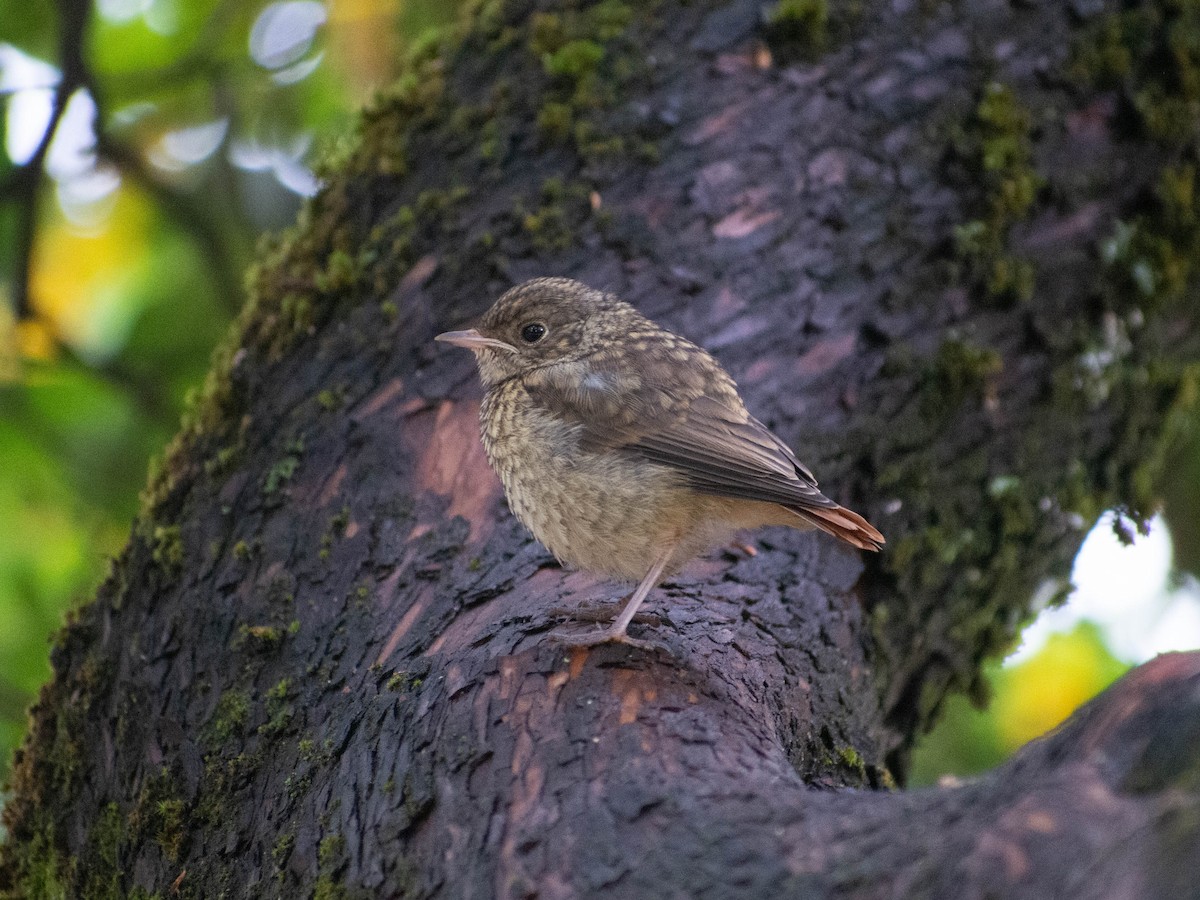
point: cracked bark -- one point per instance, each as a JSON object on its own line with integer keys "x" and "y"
{"x": 320, "y": 666}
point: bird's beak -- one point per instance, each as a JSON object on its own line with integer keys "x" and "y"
{"x": 473, "y": 340}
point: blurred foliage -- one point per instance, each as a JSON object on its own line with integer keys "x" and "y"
{"x": 182, "y": 129}
{"x": 1028, "y": 699}
{"x": 125, "y": 228}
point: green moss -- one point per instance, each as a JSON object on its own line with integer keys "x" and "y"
{"x": 202, "y": 414}
{"x": 959, "y": 371}
{"x": 159, "y": 813}
{"x": 297, "y": 316}
{"x": 241, "y": 551}
{"x": 609, "y": 19}
{"x": 403, "y": 682}
{"x": 588, "y": 58}
{"x": 331, "y": 851}
{"x": 44, "y": 874}
{"x": 281, "y": 850}
{"x": 599, "y": 145}
{"x": 102, "y": 859}
{"x": 416, "y": 98}
{"x": 1152, "y": 259}
{"x": 1150, "y": 52}
{"x": 331, "y": 860}
{"x": 996, "y": 150}
{"x": 260, "y": 636}
{"x": 554, "y": 224}
{"x": 168, "y": 548}
{"x": 851, "y": 759}
{"x": 279, "y": 710}
{"x": 65, "y": 753}
{"x": 331, "y": 399}
{"x": 360, "y": 598}
{"x": 281, "y": 591}
{"x": 225, "y": 776}
{"x": 297, "y": 784}
{"x": 797, "y": 24}
{"x": 887, "y": 781}
{"x": 311, "y": 753}
{"x": 97, "y": 873}
{"x": 230, "y": 717}
{"x": 577, "y": 61}
{"x": 328, "y": 889}
{"x": 336, "y": 528}
{"x": 281, "y": 473}
{"x": 171, "y": 828}
{"x": 555, "y": 122}
{"x": 223, "y": 460}
{"x": 547, "y": 33}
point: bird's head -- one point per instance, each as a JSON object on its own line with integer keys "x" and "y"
{"x": 543, "y": 322}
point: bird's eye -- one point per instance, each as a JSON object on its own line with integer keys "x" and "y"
{"x": 533, "y": 332}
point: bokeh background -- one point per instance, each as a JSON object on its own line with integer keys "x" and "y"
{"x": 144, "y": 146}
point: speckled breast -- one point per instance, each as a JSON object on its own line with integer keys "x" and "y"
{"x": 601, "y": 511}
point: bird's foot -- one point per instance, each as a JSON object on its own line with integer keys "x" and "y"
{"x": 601, "y": 636}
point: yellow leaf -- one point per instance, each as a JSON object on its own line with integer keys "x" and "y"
{"x": 79, "y": 284}
{"x": 34, "y": 340}
{"x": 1041, "y": 692}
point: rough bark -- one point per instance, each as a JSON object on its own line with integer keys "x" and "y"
{"x": 320, "y": 667}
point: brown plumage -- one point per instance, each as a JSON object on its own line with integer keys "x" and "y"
{"x": 624, "y": 448}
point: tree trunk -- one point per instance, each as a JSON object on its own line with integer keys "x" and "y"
{"x": 946, "y": 252}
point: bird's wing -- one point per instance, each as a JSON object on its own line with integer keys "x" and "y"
{"x": 682, "y": 414}
{"x": 730, "y": 453}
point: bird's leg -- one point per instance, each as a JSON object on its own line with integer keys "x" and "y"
{"x": 616, "y": 631}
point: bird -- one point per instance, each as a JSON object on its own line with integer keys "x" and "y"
{"x": 624, "y": 448}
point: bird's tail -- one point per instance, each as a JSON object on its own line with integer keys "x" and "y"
{"x": 843, "y": 523}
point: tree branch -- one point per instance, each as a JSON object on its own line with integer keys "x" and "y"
{"x": 24, "y": 183}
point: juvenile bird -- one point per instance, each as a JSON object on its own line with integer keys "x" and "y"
{"x": 624, "y": 448}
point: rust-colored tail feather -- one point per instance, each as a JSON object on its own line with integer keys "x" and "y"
{"x": 845, "y": 524}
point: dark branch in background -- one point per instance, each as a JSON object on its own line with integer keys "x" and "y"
{"x": 21, "y": 188}
{"x": 24, "y": 183}
{"x": 220, "y": 251}
{"x": 225, "y": 252}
